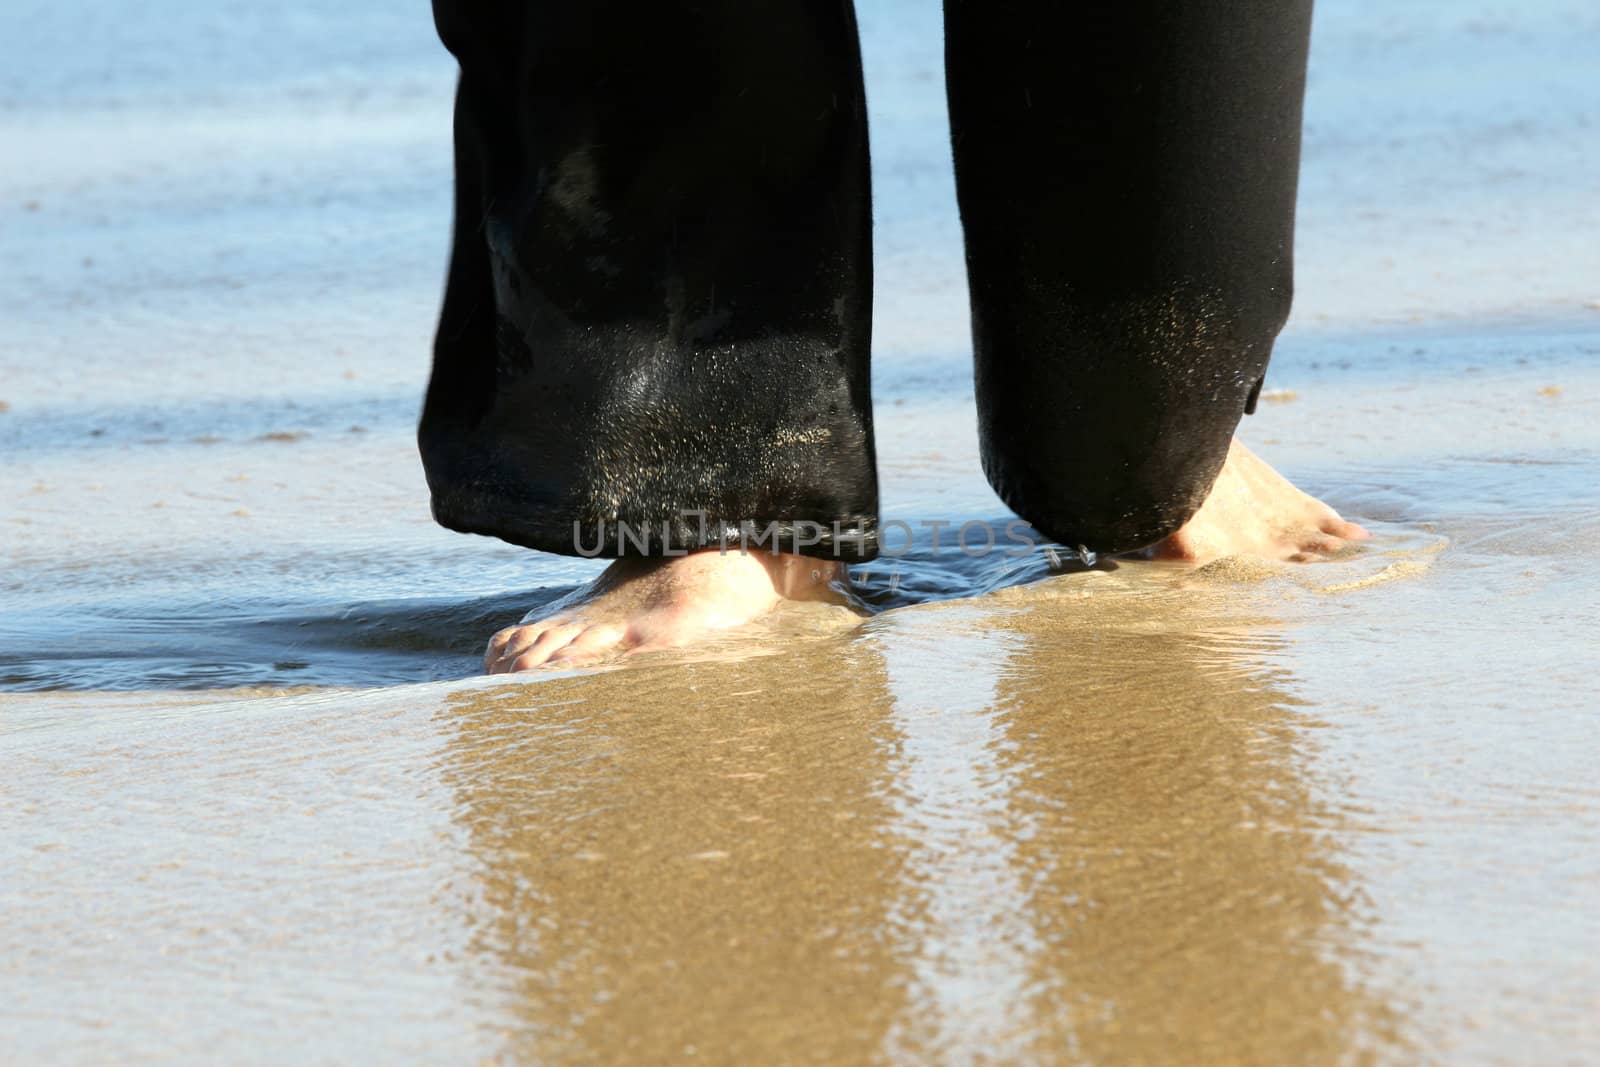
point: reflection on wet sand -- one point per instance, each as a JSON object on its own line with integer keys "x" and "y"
{"x": 1051, "y": 827}
{"x": 1187, "y": 892}
{"x": 680, "y": 858}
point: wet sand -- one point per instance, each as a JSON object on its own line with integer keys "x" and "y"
{"x": 259, "y": 810}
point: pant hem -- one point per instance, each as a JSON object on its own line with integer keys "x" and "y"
{"x": 851, "y": 539}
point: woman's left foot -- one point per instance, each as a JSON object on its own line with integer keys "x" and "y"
{"x": 1253, "y": 510}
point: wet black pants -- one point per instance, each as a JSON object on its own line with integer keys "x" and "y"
{"x": 658, "y": 309}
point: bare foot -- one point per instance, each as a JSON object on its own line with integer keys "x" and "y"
{"x": 641, "y": 604}
{"x": 1254, "y": 511}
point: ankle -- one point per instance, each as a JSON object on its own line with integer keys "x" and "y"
{"x": 798, "y": 577}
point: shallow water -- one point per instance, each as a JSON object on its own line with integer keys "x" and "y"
{"x": 258, "y": 810}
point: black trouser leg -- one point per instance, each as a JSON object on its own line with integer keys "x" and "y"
{"x": 659, "y": 298}
{"x": 1126, "y": 175}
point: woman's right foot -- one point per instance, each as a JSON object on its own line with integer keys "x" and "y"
{"x": 638, "y": 605}
{"x": 1253, "y": 510}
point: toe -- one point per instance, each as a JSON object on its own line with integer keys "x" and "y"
{"x": 1318, "y": 546}
{"x": 1350, "y": 531}
{"x": 550, "y": 641}
{"x": 498, "y": 645}
{"x": 525, "y": 637}
{"x": 1331, "y": 522}
{"x": 590, "y": 644}
{"x": 510, "y": 644}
